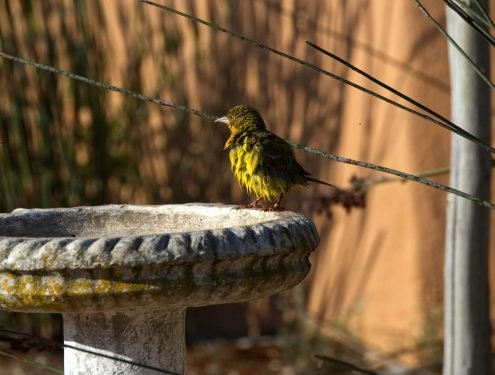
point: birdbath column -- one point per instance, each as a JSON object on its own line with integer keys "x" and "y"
{"x": 130, "y": 342}
{"x": 123, "y": 275}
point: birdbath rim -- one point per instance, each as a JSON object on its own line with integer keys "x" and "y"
{"x": 248, "y": 217}
{"x": 187, "y": 255}
{"x": 108, "y": 228}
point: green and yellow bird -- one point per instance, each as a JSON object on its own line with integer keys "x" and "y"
{"x": 263, "y": 163}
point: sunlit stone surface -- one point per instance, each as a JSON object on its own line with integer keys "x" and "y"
{"x": 123, "y": 275}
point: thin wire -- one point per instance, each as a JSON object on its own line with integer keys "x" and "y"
{"x": 126, "y": 361}
{"x": 52, "y": 343}
{"x": 211, "y": 117}
{"x": 365, "y": 184}
{"x": 323, "y": 29}
{"x": 106, "y": 86}
{"x": 295, "y": 59}
{"x": 484, "y": 12}
{"x": 31, "y": 362}
{"x": 461, "y": 12}
{"x": 347, "y": 364}
{"x": 395, "y": 172}
{"x": 457, "y": 47}
{"x": 474, "y": 15}
{"x": 447, "y": 124}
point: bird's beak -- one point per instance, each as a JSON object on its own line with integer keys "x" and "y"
{"x": 223, "y": 120}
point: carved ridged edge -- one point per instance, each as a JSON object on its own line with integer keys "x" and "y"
{"x": 179, "y": 269}
{"x": 66, "y": 253}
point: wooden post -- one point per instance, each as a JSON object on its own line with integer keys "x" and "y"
{"x": 467, "y": 323}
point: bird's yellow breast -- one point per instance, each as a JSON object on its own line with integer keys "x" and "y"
{"x": 247, "y": 164}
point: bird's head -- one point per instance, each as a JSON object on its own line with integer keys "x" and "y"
{"x": 242, "y": 117}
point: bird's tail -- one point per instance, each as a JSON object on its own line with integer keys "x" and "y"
{"x": 311, "y": 179}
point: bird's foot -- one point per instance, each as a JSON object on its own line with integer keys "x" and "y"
{"x": 249, "y": 205}
{"x": 275, "y": 207}
{"x": 242, "y": 206}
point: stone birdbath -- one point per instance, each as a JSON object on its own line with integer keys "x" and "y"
{"x": 122, "y": 276}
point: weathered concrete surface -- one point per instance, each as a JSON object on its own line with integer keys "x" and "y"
{"x": 133, "y": 342}
{"x": 123, "y": 275}
{"x": 123, "y": 256}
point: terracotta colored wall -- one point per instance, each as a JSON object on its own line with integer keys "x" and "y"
{"x": 378, "y": 271}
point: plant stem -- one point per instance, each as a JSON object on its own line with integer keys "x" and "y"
{"x": 456, "y": 46}
{"x": 299, "y": 61}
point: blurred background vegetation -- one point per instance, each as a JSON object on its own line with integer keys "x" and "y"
{"x": 65, "y": 143}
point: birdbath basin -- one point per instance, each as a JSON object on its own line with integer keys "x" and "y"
{"x": 123, "y": 275}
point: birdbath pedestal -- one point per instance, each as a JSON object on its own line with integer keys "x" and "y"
{"x": 123, "y": 275}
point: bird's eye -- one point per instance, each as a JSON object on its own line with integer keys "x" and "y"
{"x": 233, "y": 117}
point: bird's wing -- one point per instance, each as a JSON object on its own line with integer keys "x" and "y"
{"x": 280, "y": 157}
{"x": 276, "y": 158}
{"x": 274, "y": 152}
{"x": 273, "y": 147}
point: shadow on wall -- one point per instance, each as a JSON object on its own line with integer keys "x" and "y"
{"x": 65, "y": 143}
